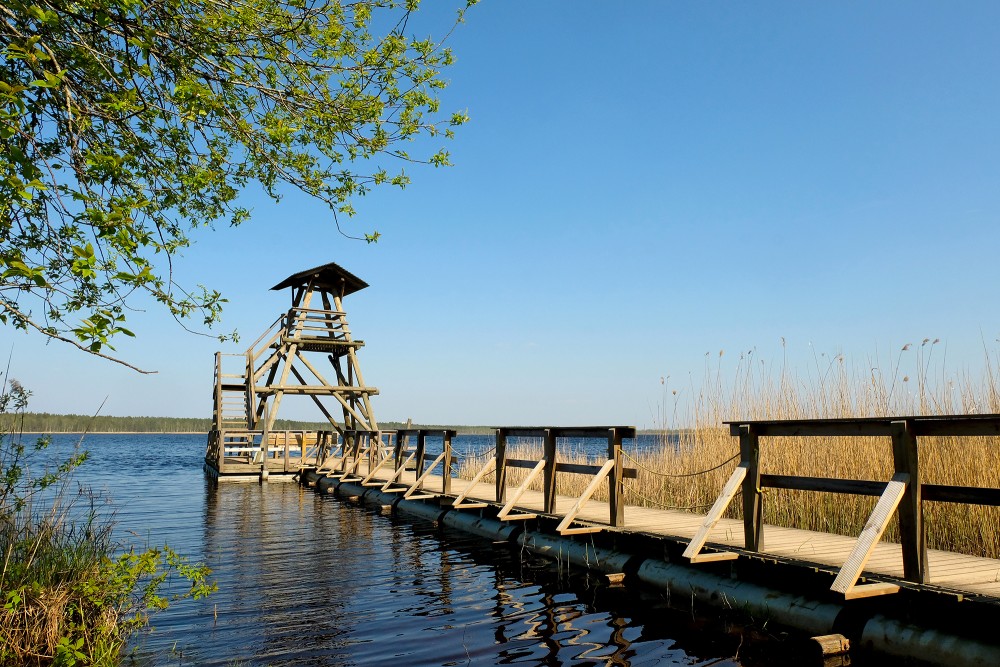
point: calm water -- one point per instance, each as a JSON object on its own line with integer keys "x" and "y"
{"x": 309, "y": 580}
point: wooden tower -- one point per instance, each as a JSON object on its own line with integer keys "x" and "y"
{"x": 309, "y": 352}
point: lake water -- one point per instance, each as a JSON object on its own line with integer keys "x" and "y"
{"x": 310, "y": 580}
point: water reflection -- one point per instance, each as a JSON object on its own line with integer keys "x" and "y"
{"x": 310, "y": 580}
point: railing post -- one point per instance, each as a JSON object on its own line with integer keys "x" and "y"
{"x": 249, "y": 398}
{"x": 222, "y": 449}
{"x": 753, "y": 508}
{"x": 616, "y": 479}
{"x": 421, "y": 450}
{"x": 285, "y": 463}
{"x": 217, "y": 391}
{"x": 549, "y": 473}
{"x": 264, "y": 434}
{"x": 397, "y": 450}
{"x": 501, "y": 467}
{"x": 446, "y": 482}
{"x": 912, "y": 536}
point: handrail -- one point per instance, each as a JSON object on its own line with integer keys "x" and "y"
{"x": 903, "y": 495}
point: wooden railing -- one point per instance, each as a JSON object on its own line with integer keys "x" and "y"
{"x": 902, "y": 495}
{"x": 548, "y": 466}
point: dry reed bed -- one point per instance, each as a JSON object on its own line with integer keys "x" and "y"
{"x": 699, "y": 442}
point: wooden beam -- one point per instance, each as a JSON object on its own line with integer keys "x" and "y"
{"x": 519, "y": 491}
{"x": 753, "y": 507}
{"x": 912, "y": 535}
{"x": 616, "y": 481}
{"x": 876, "y": 525}
{"x": 417, "y": 485}
{"x": 460, "y": 500}
{"x": 549, "y": 481}
{"x": 971, "y": 495}
{"x": 564, "y": 525}
{"x": 721, "y": 503}
{"x": 858, "y": 487}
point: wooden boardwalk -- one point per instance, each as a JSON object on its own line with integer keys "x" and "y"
{"x": 948, "y": 571}
{"x": 864, "y": 566}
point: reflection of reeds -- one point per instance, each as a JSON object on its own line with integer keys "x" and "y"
{"x": 699, "y": 442}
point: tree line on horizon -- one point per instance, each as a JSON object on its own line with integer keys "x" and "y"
{"x": 44, "y": 422}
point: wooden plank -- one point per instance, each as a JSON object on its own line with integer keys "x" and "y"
{"x": 870, "y": 590}
{"x": 459, "y": 501}
{"x": 423, "y": 475}
{"x": 876, "y": 525}
{"x": 399, "y": 471}
{"x": 586, "y": 469}
{"x": 519, "y": 491}
{"x": 857, "y": 487}
{"x": 568, "y": 431}
{"x": 823, "y": 427}
{"x": 972, "y": 495}
{"x": 581, "y": 530}
{"x": 585, "y": 496}
{"x": 714, "y": 557}
{"x": 714, "y": 514}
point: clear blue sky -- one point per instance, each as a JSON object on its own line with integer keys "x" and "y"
{"x": 640, "y": 183}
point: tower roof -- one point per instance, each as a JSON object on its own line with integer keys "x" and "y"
{"x": 330, "y": 277}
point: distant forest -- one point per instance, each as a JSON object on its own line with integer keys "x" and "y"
{"x": 43, "y": 422}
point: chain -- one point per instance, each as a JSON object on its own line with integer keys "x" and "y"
{"x": 633, "y": 491}
{"x": 686, "y": 474}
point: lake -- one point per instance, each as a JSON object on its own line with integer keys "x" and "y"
{"x": 310, "y": 580}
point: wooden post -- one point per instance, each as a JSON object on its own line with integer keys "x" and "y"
{"x": 912, "y": 535}
{"x": 549, "y": 478}
{"x": 753, "y": 508}
{"x": 397, "y": 451}
{"x": 616, "y": 479}
{"x": 264, "y": 435}
{"x": 217, "y": 390}
{"x": 446, "y": 482}
{"x": 421, "y": 450}
{"x": 286, "y": 452}
{"x": 501, "y": 467}
{"x": 222, "y": 449}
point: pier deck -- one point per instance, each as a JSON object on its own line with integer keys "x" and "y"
{"x": 949, "y": 572}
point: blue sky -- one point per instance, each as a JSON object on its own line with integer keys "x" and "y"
{"x": 640, "y": 184}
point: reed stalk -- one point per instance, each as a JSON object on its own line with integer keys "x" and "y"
{"x": 684, "y": 472}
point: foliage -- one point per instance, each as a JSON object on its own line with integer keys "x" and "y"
{"x": 125, "y": 124}
{"x": 68, "y": 593}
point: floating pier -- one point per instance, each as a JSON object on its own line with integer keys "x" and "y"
{"x": 900, "y": 599}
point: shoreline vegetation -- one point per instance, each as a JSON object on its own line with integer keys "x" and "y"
{"x": 70, "y": 592}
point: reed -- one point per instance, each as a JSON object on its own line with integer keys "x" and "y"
{"x": 685, "y": 473}
{"x": 70, "y": 594}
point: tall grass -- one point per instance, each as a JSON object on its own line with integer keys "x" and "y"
{"x": 69, "y": 592}
{"x": 912, "y": 382}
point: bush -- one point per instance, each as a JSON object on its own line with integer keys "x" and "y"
{"x": 70, "y": 593}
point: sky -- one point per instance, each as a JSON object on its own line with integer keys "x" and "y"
{"x": 641, "y": 186}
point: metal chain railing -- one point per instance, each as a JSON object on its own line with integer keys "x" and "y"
{"x": 630, "y": 490}
{"x": 686, "y": 474}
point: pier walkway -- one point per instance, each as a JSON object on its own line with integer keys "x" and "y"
{"x": 864, "y": 566}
